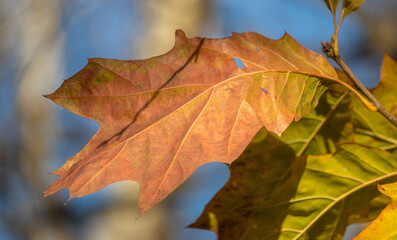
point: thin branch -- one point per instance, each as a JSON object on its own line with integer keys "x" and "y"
{"x": 366, "y": 92}
{"x": 342, "y": 14}
{"x": 331, "y": 50}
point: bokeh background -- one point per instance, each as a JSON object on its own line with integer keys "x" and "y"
{"x": 43, "y": 42}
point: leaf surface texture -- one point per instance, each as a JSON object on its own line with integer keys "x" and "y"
{"x": 163, "y": 117}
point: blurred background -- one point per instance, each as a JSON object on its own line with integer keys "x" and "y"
{"x": 43, "y": 42}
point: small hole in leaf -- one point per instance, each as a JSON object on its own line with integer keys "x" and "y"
{"x": 239, "y": 63}
{"x": 265, "y": 91}
{"x": 257, "y": 49}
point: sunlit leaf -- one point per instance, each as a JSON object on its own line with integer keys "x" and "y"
{"x": 163, "y": 117}
{"x": 384, "y": 226}
{"x": 316, "y": 199}
{"x": 252, "y": 207}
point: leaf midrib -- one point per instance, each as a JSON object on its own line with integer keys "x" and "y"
{"x": 200, "y": 94}
{"x": 183, "y": 105}
{"x": 128, "y": 139}
{"x": 193, "y": 85}
{"x": 342, "y": 197}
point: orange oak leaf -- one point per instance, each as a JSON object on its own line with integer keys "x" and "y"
{"x": 204, "y": 100}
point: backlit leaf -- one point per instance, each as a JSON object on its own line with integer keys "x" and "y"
{"x": 204, "y": 100}
{"x": 316, "y": 199}
{"x": 251, "y": 205}
{"x": 384, "y": 226}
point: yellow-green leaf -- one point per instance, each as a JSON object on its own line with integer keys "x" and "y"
{"x": 385, "y": 225}
{"x": 349, "y": 6}
{"x": 316, "y": 199}
{"x": 331, "y": 122}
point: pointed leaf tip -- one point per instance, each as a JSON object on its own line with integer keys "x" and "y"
{"x": 180, "y": 33}
{"x": 384, "y": 226}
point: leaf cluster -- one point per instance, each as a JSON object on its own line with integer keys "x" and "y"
{"x": 315, "y": 180}
{"x": 310, "y": 156}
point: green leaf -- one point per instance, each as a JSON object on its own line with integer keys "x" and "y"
{"x": 351, "y": 6}
{"x": 317, "y": 199}
{"x": 331, "y": 122}
{"x": 348, "y": 5}
{"x": 335, "y": 190}
{"x": 384, "y": 226}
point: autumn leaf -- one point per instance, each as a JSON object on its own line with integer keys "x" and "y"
{"x": 204, "y": 100}
{"x": 384, "y": 226}
{"x": 233, "y": 212}
{"x": 267, "y": 160}
{"x": 371, "y": 127}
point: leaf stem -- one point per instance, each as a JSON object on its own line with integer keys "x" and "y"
{"x": 366, "y": 92}
{"x": 361, "y": 97}
{"x": 331, "y": 7}
{"x": 335, "y": 36}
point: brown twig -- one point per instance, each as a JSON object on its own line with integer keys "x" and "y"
{"x": 329, "y": 51}
{"x": 366, "y": 92}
